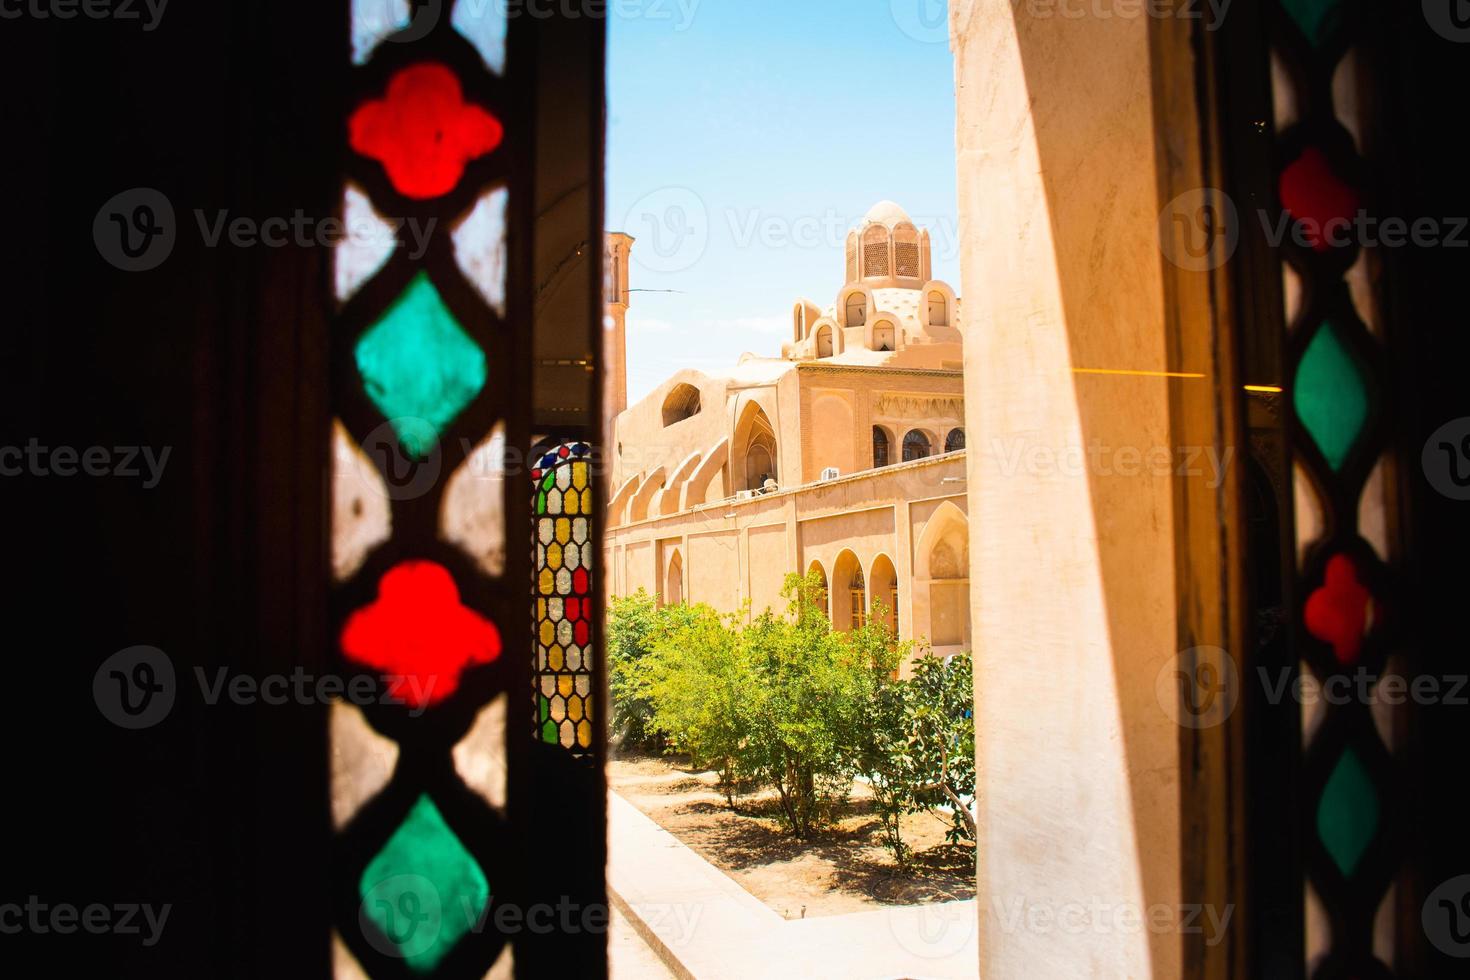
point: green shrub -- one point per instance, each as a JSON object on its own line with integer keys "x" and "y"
{"x": 786, "y": 703}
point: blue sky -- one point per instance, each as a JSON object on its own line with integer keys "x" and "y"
{"x": 744, "y": 138}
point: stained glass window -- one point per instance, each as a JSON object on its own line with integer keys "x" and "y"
{"x": 562, "y": 489}
{"x": 1334, "y": 402}
{"x": 422, "y": 350}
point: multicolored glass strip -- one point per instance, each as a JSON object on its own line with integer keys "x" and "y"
{"x": 418, "y": 563}
{"x": 562, "y": 482}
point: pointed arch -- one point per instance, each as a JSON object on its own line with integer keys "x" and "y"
{"x": 883, "y": 590}
{"x": 756, "y": 452}
{"x": 672, "y": 593}
{"x": 942, "y": 580}
{"x": 696, "y": 489}
{"x": 849, "y": 592}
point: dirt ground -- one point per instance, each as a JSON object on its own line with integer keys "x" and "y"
{"x": 845, "y": 868}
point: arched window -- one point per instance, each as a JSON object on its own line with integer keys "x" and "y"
{"x": 875, "y": 253}
{"x": 884, "y": 337}
{"x": 824, "y": 342}
{"x": 906, "y": 251}
{"x": 681, "y": 403}
{"x": 954, "y": 441}
{"x": 857, "y": 309}
{"x": 915, "y": 446}
{"x": 880, "y": 447}
{"x": 938, "y": 309}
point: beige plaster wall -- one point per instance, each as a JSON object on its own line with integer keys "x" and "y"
{"x": 734, "y": 551}
{"x": 1072, "y": 568}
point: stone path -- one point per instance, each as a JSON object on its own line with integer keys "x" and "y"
{"x": 703, "y": 926}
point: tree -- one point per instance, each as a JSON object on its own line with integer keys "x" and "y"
{"x": 941, "y": 734}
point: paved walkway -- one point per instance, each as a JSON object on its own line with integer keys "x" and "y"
{"x": 706, "y": 927}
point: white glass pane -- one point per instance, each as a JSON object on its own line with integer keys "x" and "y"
{"x": 362, "y": 762}
{"x": 479, "y": 758}
{"x": 373, "y": 20}
{"x": 361, "y": 517}
{"x": 474, "y": 504}
{"x": 365, "y": 247}
{"x": 479, "y": 248}
{"x": 482, "y": 22}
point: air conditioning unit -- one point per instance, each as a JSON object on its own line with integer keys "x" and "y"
{"x": 830, "y": 473}
{"x": 744, "y": 494}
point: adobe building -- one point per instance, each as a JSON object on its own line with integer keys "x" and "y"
{"x": 844, "y": 455}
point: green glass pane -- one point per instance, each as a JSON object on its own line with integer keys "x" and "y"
{"x": 419, "y": 366}
{"x": 423, "y": 891}
{"x": 548, "y": 727}
{"x": 1347, "y": 815}
{"x": 1330, "y": 395}
{"x": 1318, "y": 19}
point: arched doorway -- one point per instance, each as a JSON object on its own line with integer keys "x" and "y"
{"x": 849, "y": 595}
{"x": 755, "y": 459}
{"x": 942, "y": 581}
{"x": 822, "y": 599}
{"x": 883, "y": 590}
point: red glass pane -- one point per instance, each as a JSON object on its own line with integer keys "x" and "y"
{"x": 1319, "y": 201}
{"x": 1340, "y": 612}
{"x": 419, "y": 635}
{"x": 423, "y": 132}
